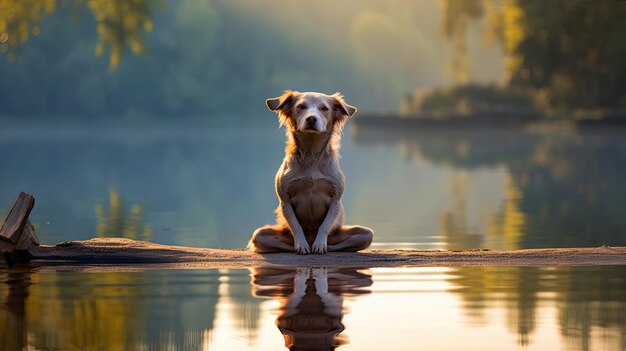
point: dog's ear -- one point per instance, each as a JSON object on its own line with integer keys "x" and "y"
{"x": 282, "y": 103}
{"x": 342, "y": 110}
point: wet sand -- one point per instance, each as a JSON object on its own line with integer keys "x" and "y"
{"x": 118, "y": 254}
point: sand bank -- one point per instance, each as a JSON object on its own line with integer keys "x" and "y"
{"x": 118, "y": 254}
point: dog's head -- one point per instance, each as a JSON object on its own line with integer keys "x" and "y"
{"x": 311, "y": 112}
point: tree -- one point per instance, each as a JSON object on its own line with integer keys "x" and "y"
{"x": 455, "y": 20}
{"x": 572, "y": 51}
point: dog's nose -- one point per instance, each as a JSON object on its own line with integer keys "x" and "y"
{"x": 311, "y": 120}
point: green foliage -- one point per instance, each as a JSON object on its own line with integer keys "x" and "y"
{"x": 455, "y": 20}
{"x": 120, "y": 24}
{"x": 570, "y": 51}
{"x": 163, "y": 59}
{"x": 470, "y": 98}
{"x": 133, "y": 60}
{"x": 575, "y": 50}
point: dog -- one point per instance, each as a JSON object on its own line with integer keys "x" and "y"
{"x": 309, "y": 183}
{"x": 311, "y": 302}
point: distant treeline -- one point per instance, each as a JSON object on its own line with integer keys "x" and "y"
{"x": 139, "y": 58}
{"x": 135, "y": 59}
{"x": 569, "y": 53}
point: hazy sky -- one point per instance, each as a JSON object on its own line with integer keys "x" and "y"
{"x": 395, "y": 38}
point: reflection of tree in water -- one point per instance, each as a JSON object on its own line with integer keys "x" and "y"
{"x": 593, "y": 300}
{"x": 116, "y": 222}
{"x": 506, "y": 227}
{"x": 108, "y": 311}
{"x": 586, "y": 298}
{"x": 573, "y": 191}
{"x": 514, "y": 286}
{"x": 453, "y": 224}
{"x": 119, "y": 23}
{"x": 13, "y": 334}
{"x": 561, "y": 189}
{"x": 75, "y": 319}
{"x": 180, "y": 314}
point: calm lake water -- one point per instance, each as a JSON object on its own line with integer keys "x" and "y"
{"x": 211, "y": 187}
{"x": 467, "y": 308}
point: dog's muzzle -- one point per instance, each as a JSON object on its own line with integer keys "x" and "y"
{"x": 311, "y": 121}
{"x": 310, "y": 124}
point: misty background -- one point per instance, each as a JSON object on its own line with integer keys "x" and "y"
{"x": 146, "y": 118}
{"x": 182, "y": 59}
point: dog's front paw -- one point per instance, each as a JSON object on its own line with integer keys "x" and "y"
{"x": 319, "y": 273}
{"x": 302, "y": 274}
{"x": 302, "y": 248}
{"x": 319, "y": 247}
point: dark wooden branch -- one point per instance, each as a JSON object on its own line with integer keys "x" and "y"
{"x": 18, "y": 216}
{"x": 17, "y": 233}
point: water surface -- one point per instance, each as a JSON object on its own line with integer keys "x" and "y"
{"x": 465, "y": 308}
{"x": 433, "y": 189}
{"x": 212, "y": 186}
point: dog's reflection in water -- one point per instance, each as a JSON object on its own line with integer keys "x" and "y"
{"x": 311, "y": 302}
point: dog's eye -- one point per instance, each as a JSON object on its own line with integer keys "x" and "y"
{"x": 301, "y": 106}
{"x": 323, "y": 108}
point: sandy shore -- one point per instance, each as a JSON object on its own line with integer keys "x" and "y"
{"x": 117, "y": 254}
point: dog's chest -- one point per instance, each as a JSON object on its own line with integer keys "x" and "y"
{"x": 309, "y": 186}
{"x": 310, "y": 199}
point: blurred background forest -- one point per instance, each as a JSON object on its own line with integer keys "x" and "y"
{"x": 144, "y": 67}
{"x": 133, "y": 60}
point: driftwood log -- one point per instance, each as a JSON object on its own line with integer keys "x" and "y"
{"x": 17, "y": 234}
{"x": 19, "y": 244}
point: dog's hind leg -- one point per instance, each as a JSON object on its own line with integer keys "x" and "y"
{"x": 271, "y": 239}
{"x": 350, "y": 238}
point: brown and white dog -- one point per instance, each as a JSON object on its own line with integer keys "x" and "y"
{"x": 309, "y": 183}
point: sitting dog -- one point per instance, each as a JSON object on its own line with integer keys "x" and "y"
{"x": 309, "y": 183}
